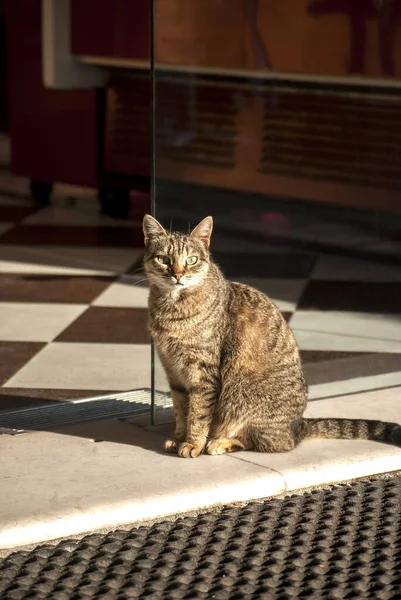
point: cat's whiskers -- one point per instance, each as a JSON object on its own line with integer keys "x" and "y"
{"x": 133, "y": 280}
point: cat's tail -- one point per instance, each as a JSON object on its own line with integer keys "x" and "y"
{"x": 353, "y": 429}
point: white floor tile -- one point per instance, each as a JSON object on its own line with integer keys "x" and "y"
{"x": 285, "y": 293}
{"x": 20, "y": 267}
{"x": 372, "y": 327}
{"x": 59, "y": 485}
{"x": 124, "y": 294}
{"x": 337, "y": 268}
{"x": 87, "y": 367}
{"x": 66, "y": 259}
{"x": 315, "y": 340}
{"x": 36, "y": 322}
{"x": 317, "y": 462}
{"x": 378, "y": 404}
{"x": 356, "y": 384}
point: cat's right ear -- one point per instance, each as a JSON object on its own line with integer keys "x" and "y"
{"x": 203, "y": 231}
{"x": 152, "y": 229}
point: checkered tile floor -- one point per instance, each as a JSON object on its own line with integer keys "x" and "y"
{"x": 73, "y": 304}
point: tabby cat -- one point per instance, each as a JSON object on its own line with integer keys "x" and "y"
{"x": 231, "y": 360}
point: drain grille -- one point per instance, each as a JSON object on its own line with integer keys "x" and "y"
{"x": 338, "y": 543}
{"x": 197, "y": 125}
{"x": 114, "y": 406}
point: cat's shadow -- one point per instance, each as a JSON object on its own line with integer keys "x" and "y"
{"x": 129, "y": 432}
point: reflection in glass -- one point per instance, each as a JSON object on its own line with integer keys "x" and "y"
{"x": 298, "y": 161}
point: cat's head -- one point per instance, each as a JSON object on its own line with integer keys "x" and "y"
{"x": 175, "y": 261}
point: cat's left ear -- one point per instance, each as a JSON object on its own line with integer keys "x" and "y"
{"x": 203, "y": 231}
{"x": 152, "y": 228}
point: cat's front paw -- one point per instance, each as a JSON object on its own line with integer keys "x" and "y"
{"x": 187, "y": 450}
{"x": 170, "y": 446}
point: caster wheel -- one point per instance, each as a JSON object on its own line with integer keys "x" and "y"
{"x": 115, "y": 203}
{"x": 41, "y": 191}
{"x": 104, "y": 197}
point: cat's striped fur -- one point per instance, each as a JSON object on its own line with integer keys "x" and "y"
{"x": 231, "y": 360}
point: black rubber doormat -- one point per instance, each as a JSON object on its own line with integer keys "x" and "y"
{"x": 343, "y": 542}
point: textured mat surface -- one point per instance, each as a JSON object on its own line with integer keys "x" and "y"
{"x": 344, "y": 542}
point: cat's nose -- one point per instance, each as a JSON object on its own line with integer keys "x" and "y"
{"x": 178, "y": 276}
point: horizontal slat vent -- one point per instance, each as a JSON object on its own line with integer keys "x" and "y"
{"x": 355, "y": 140}
{"x": 129, "y": 122}
{"x": 194, "y": 125}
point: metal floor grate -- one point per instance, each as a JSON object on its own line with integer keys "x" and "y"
{"x": 113, "y": 406}
{"x": 338, "y": 543}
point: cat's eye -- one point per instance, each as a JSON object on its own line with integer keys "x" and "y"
{"x": 163, "y": 260}
{"x": 192, "y": 260}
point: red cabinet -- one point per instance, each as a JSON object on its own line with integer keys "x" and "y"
{"x": 111, "y": 28}
{"x": 54, "y": 133}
